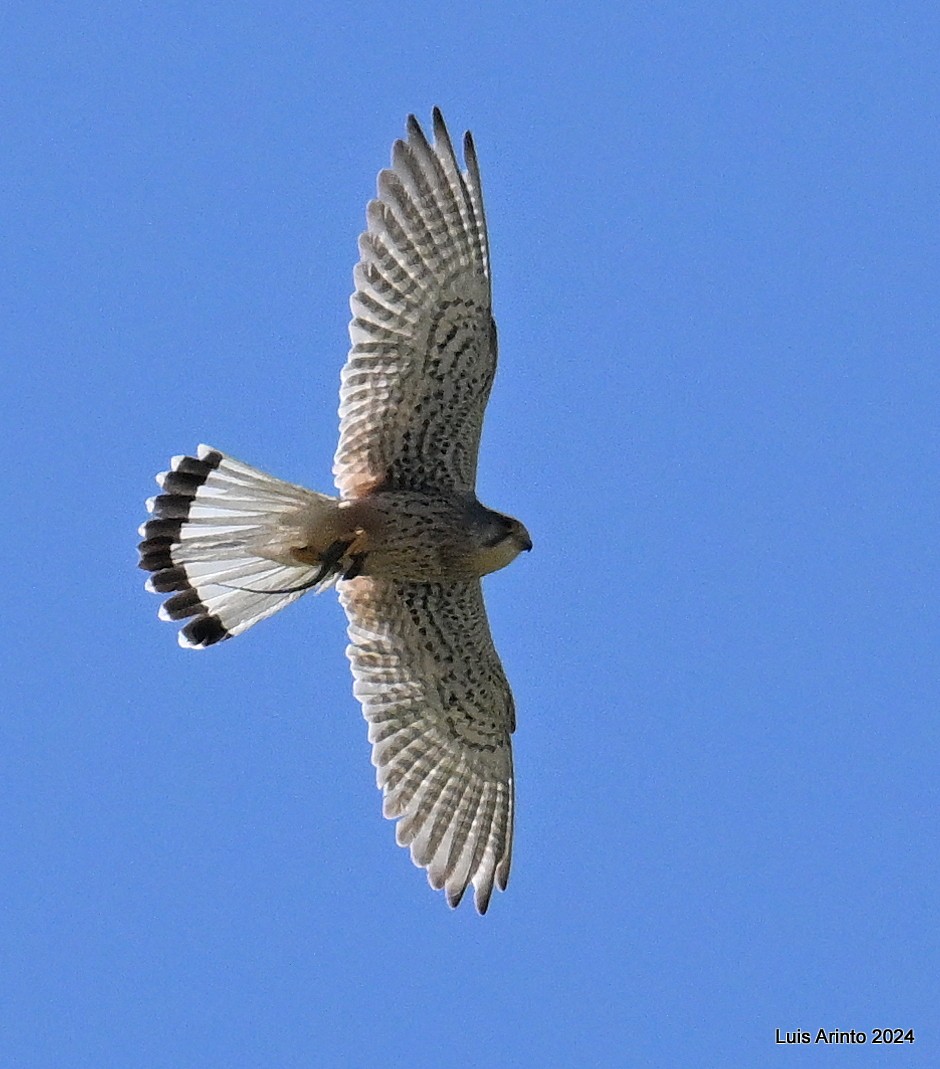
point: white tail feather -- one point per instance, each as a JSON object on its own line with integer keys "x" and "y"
{"x": 220, "y": 542}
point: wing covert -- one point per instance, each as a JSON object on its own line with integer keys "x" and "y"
{"x": 440, "y": 715}
{"x": 416, "y": 382}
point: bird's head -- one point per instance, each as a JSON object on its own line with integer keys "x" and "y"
{"x": 502, "y": 539}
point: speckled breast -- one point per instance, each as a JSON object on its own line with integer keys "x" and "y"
{"x": 416, "y": 536}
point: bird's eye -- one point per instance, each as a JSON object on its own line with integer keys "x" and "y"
{"x": 501, "y": 530}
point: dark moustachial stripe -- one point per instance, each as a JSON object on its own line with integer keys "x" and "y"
{"x": 171, "y": 511}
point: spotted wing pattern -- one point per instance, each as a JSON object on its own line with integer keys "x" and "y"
{"x": 423, "y": 338}
{"x": 440, "y": 715}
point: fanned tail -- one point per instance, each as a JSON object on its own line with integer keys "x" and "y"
{"x": 221, "y": 541}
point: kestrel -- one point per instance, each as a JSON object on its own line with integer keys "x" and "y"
{"x": 405, "y": 543}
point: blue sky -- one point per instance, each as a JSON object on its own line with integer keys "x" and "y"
{"x": 715, "y": 246}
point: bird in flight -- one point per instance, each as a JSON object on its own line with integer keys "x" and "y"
{"x": 405, "y": 543}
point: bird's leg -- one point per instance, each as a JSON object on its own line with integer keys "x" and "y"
{"x": 343, "y": 555}
{"x": 357, "y": 562}
{"x": 329, "y": 559}
{"x": 356, "y": 552}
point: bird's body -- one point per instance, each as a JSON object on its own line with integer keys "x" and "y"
{"x": 406, "y": 540}
{"x": 412, "y": 535}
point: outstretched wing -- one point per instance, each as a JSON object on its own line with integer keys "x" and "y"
{"x": 440, "y": 714}
{"x": 423, "y": 338}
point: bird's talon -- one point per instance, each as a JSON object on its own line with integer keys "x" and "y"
{"x": 355, "y": 567}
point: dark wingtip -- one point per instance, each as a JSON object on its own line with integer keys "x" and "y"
{"x": 454, "y": 897}
{"x": 482, "y": 898}
{"x": 469, "y": 151}
{"x": 439, "y": 126}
